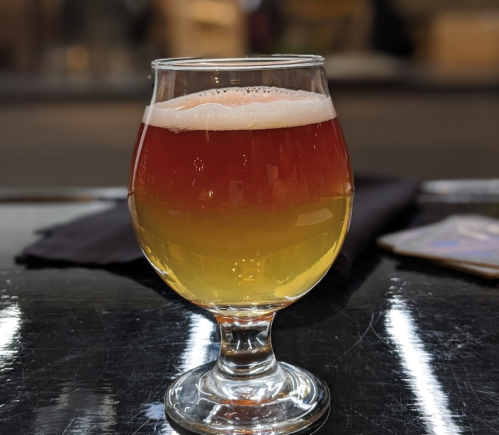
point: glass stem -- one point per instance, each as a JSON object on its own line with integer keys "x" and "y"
{"x": 246, "y": 347}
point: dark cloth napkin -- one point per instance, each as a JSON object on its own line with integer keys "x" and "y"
{"x": 107, "y": 239}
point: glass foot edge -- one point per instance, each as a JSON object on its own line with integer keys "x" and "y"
{"x": 192, "y": 409}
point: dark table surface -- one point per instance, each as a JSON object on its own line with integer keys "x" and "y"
{"x": 405, "y": 346}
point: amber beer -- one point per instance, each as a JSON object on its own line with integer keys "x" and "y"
{"x": 241, "y": 197}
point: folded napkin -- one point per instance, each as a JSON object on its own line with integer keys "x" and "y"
{"x": 107, "y": 239}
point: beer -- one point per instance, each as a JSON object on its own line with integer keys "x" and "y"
{"x": 241, "y": 197}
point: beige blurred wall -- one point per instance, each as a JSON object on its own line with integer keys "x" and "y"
{"x": 201, "y": 27}
{"x": 465, "y": 44}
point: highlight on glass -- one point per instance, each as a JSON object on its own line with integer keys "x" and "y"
{"x": 240, "y": 194}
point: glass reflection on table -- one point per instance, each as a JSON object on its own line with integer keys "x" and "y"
{"x": 431, "y": 399}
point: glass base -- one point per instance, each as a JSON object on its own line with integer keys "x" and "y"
{"x": 289, "y": 400}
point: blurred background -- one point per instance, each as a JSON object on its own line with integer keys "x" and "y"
{"x": 415, "y": 82}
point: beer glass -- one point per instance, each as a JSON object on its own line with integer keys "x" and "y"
{"x": 240, "y": 195}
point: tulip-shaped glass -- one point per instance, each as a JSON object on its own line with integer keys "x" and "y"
{"x": 240, "y": 194}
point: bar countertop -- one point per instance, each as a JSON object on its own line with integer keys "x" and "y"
{"x": 406, "y": 346}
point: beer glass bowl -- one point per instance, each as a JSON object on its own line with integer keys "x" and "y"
{"x": 240, "y": 195}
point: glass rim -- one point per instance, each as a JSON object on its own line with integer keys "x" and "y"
{"x": 258, "y": 62}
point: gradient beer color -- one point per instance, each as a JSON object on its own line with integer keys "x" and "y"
{"x": 241, "y": 197}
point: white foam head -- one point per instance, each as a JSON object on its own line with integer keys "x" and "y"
{"x": 252, "y": 108}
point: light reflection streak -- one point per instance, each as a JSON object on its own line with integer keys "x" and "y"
{"x": 155, "y": 411}
{"x": 197, "y": 350}
{"x": 431, "y": 400}
{"x": 10, "y": 322}
{"x": 79, "y": 411}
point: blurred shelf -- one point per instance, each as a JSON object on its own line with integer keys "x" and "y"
{"x": 349, "y": 72}
{"x": 383, "y": 72}
{"x": 365, "y": 68}
{"x": 39, "y": 87}
{"x": 62, "y": 194}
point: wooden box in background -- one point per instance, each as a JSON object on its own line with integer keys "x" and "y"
{"x": 202, "y": 27}
{"x": 465, "y": 44}
{"x": 326, "y": 26}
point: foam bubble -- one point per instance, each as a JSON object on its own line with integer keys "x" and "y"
{"x": 252, "y": 108}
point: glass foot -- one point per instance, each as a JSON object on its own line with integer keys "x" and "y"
{"x": 289, "y": 400}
